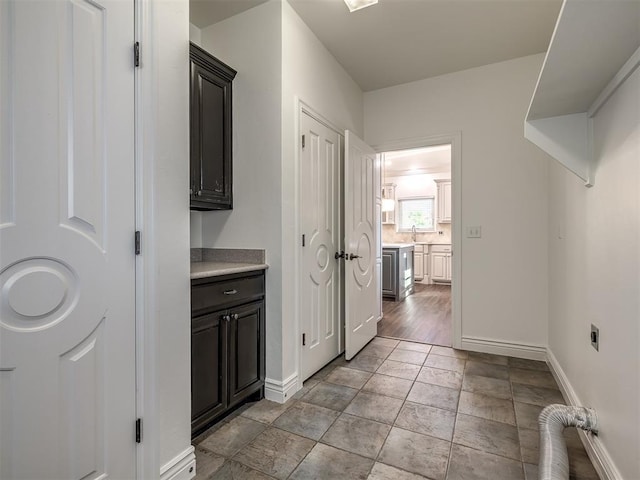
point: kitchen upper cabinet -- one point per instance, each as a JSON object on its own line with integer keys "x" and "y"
{"x": 440, "y": 263}
{"x": 444, "y": 201}
{"x": 388, "y": 194}
{"x": 211, "y": 135}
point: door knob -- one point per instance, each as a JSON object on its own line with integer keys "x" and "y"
{"x": 352, "y": 256}
{"x": 339, "y": 255}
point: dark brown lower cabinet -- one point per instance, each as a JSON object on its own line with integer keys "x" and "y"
{"x": 227, "y": 345}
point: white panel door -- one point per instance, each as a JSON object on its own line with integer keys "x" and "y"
{"x": 67, "y": 266}
{"x": 363, "y": 247}
{"x": 320, "y": 176}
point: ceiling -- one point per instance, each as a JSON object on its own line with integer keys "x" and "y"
{"x": 416, "y": 161}
{"x": 400, "y": 41}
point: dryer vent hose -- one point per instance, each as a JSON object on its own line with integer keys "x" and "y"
{"x": 554, "y": 461}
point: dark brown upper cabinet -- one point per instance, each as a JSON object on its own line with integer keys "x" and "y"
{"x": 211, "y": 135}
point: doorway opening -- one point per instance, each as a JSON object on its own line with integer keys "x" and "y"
{"x": 417, "y": 244}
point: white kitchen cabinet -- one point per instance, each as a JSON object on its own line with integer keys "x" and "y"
{"x": 426, "y": 269}
{"x": 418, "y": 262}
{"x": 389, "y": 193}
{"x": 440, "y": 263}
{"x": 444, "y": 201}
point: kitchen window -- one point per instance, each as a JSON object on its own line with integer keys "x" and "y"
{"x": 418, "y": 212}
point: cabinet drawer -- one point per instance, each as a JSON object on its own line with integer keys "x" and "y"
{"x": 227, "y": 292}
{"x": 440, "y": 248}
{"x": 418, "y": 248}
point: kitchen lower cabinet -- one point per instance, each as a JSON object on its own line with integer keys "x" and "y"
{"x": 440, "y": 263}
{"x": 389, "y": 273}
{"x": 418, "y": 263}
{"x": 227, "y": 345}
{"x": 397, "y": 271}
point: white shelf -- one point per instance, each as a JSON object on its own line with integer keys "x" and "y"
{"x": 594, "y": 49}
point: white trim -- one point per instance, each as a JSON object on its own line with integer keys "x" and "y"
{"x": 597, "y": 452}
{"x": 280, "y": 392}
{"x": 147, "y": 457}
{"x": 455, "y": 139}
{"x": 510, "y": 349}
{"x": 181, "y": 467}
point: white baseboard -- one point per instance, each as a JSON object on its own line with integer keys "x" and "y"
{"x": 498, "y": 347}
{"x": 280, "y": 391}
{"x": 181, "y": 467}
{"x": 602, "y": 461}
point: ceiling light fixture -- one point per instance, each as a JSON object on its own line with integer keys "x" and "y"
{"x": 359, "y": 4}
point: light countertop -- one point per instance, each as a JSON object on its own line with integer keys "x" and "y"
{"x": 216, "y": 269}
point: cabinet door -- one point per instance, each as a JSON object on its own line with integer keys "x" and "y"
{"x": 417, "y": 266}
{"x": 246, "y": 351}
{"x": 438, "y": 266}
{"x": 389, "y": 193}
{"x": 208, "y": 368}
{"x": 448, "y": 277}
{"x": 426, "y": 267}
{"x": 444, "y": 201}
{"x": 211, "y": 136}
{"x": 389, "y": 272}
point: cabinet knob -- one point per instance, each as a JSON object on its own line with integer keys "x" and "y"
{"x": 235, "y": 316}
{"x": 226, "y": 318}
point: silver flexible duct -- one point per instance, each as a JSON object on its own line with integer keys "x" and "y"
{"x": 554, "y": 461}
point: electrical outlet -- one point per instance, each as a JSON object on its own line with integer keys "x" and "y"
{"x": 595, "y": 337}
{"x": 474, "y": 232}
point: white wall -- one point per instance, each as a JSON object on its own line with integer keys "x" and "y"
{"x": 250, "y": 43}
{"x": 594, "y": 268}
{"x": 164, "y": 157}
{"x": 504, "y": 188}
{"x": 278, "y": 59}
{"x": 195, "y": 34}
{"x": 310, "y": 73}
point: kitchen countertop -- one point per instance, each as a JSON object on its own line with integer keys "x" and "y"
{"x": 404, "y": 245}
{"x": 216, "y": 269}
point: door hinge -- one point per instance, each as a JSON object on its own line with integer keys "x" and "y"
{"x": 303, "y": 240}
{"x": 139, "y": 430}
{"x": 304, "y": 339}
{"x": 137, "y": 241}
{"x": 136, "y": 54}
{"x": 303, "y": 140}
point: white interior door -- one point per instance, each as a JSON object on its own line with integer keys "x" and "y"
{"x": 362, "y": 244}
{"x": 67, "y": 266}
{"x": 320, "y": 175}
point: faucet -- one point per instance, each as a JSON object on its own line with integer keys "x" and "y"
{"x": 413, "y": 233}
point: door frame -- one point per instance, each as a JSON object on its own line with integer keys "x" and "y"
{"x": 304, "y": 108}
{"x": 455, "y": 139}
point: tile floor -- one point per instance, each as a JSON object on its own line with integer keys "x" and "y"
{"x": 398, "y": 411}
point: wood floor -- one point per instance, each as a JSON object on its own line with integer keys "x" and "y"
{"x": 423, "y": 317}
